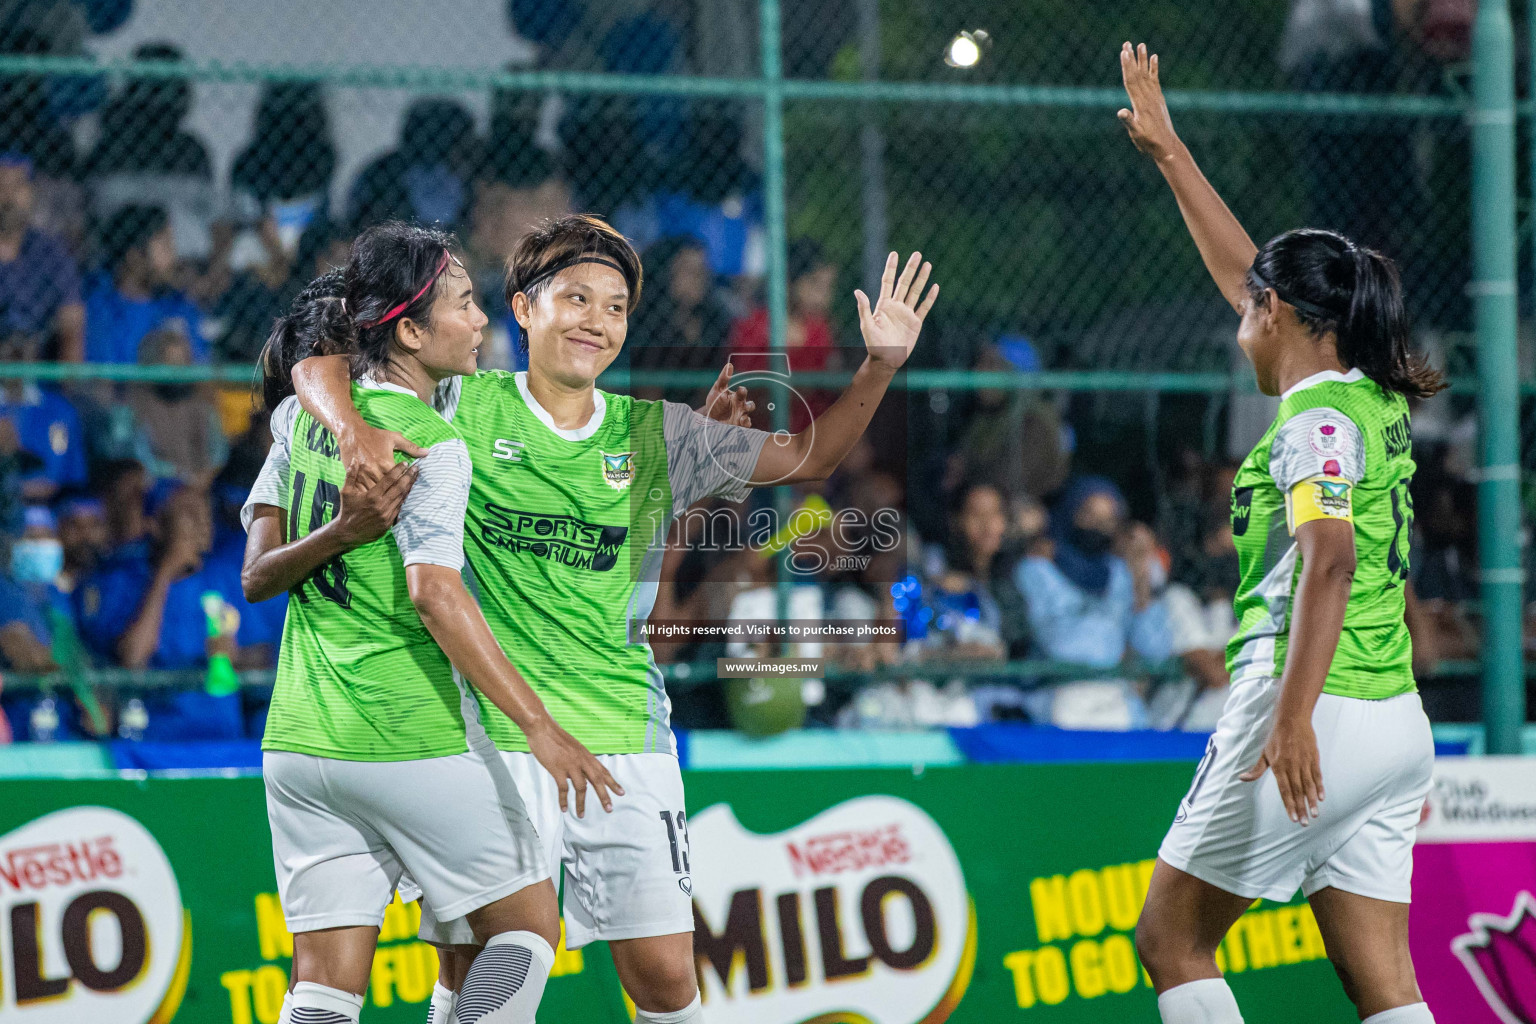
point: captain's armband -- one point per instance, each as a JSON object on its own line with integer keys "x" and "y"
{"x": 1319, "y": 497}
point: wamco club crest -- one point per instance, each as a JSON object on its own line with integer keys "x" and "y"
{"x": 857, "y": 916}
{"x": 91, "y": 922}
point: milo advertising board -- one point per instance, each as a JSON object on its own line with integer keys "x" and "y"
{"x": 975, "y": 894}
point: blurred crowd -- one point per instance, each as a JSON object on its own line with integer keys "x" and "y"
{"x": 1017, "y": 537}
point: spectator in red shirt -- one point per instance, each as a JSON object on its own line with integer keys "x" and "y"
{"x": 807, "y": 336}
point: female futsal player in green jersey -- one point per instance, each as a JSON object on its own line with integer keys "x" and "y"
{"x": 1322, "y": 680}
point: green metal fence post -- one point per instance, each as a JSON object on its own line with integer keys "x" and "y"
{"x": 1494, "y": 293}
{"x": 774, "y": 216}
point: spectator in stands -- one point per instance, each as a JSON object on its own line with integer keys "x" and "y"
{"x": 427, "y": 177}
{"x": 134, "y": 294}
{"x": 283, "y": 176}
{"x": 1091, "y": 606}
{"x": 1014, "y": 440}
{"x": 148, "y": 606}
{"x": 1200, "y": 622}
{"x": 30, "y": 126}
{"x": 708, "y": 192}
{"x": 144, "y": 156}
{"x": 39, "y": 286}
{"x": 47, "y": 428}
{"x": 84, "y": 535}
{"x": 974, "y": 574}
{"x": 123, "y": 487}
{"x": 177, "y": 431}
{"x": 682, "y": 324}
{"x": 812, "y": 280}
{"x": 26, "y": 635}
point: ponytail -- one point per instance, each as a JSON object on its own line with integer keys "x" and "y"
{"x": 317, "y": 324}
{"x": 1355, "y": 293}
{"x": 390, "y": 276}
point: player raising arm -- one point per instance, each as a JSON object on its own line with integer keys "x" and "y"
{"x": 374, "y": 757}
{"x": 573, "y": 493}
{"x": 1322, "y": 681}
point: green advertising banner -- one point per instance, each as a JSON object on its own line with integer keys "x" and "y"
{"x": 976, "y": 894}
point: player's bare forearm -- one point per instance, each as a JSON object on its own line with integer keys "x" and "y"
{"x": 1224, "y": 245}
{"x": 324, "y": 387}
{"x": 456, "y": 623}
{"x": 819, "y": 449}
{"x": 272, "y": 566}
{"x": 1317, "y": 620}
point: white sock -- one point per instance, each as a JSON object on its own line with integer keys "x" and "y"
{"x": 1413, "y": 1013}
{"x": 506, "y": 982}
{"x": 286, "y": 1016}
{"x": 441, "y": 1010}
{"x": 317, "y": 1004}
{"x": 1207, "y": 1001}
{"x": 693, "y": 1013}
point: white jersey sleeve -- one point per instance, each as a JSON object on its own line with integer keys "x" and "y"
{"x": 271, "y": 486}
{"x": 1317, "y": 442}
{"x": 706, "y": 457}
{"x": 431, "y": 525}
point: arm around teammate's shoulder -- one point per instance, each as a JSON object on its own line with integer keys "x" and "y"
{"x": 324, "y": 388}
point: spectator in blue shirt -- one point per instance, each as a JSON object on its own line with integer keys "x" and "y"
{"x": 39, "y": 284}
{"x": 134, "y": 296}
{"x": 144, "y": 608}
{"x": 47, "y": 427}
{"x": 1090, "y": 606}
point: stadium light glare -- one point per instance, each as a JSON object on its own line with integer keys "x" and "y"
{"x": 964, "y": 51}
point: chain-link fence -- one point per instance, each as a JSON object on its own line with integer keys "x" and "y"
{"x": 190, "y": 166}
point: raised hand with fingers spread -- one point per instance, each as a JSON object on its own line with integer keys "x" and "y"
{"x": 890, "y": 329}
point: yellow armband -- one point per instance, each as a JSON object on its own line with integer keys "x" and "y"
{"x": 1319, "y": 497}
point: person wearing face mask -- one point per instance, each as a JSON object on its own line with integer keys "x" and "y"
{"x": 26, "y": 639}
{"x": 1090, "y": 606}
{"x": 175, "y": 428}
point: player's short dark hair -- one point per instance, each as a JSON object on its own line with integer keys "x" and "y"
{"x": 564, "y": 239}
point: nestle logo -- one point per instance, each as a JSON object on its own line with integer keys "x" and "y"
{"x": 37, "y": 867}
{"x": 849, "y": 851}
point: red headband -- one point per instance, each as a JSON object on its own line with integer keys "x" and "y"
{"x": 442, "y": 264}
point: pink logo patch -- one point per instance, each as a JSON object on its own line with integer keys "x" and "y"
{"x": 1331, "y": 467}
{"x": 1328, "y": 429}
{"x": 1498, "y": 954}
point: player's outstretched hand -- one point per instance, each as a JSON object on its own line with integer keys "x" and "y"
{"x": 573, "y": 766}
{"x": 1291, "y": 753}
{"x": 368, "y": 453}
{"x": 727, "y": 404}
{"x": 890, "y": 329}
{"x": 1148, "y": 121}
{"x": 369, "y": 510}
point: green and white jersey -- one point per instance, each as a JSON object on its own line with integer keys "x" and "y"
{"x": 1345, "y": 434}
{"x": 565, "y": 538}
{"x": 359, "y": 678}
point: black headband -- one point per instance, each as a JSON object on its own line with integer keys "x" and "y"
{"x": 567, "y": 264}
{"x": 1313, "y": 308}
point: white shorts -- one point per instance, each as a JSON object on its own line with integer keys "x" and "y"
{"x": 627, "y": 873}
{"x": 1377, "y": 756}
{"x": 343, "y": 833}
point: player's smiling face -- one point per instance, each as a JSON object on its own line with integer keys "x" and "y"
{"x": 577, "y": 324}
{"x": 450, "y": 347}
